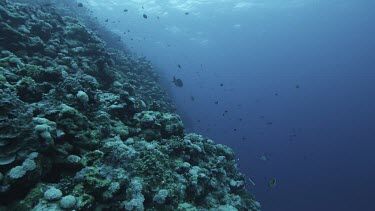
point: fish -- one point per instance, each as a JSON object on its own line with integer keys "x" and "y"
{"x": 179, "y": 66}
{"x": 125, "y": 10}
{"x": 144, "y": 16}
{"x": 186, "y": 13}
{"x": 272, "y": 183}
{"x": 263, "y": 157}
{"x": 178, "y": 82}
{"x": 80, "y": 5}
{"x": 221, "y": 84}
{"x": 251, "y": 181}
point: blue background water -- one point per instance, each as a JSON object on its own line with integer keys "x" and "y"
{"x": 318, "y": 138}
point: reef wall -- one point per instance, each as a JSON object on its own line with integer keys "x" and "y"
{"x": 86, "y": 127}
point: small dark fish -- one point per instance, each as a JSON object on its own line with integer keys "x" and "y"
{"x": 179, "y": 66}
{"x": 157, "y": 17}
{"x": 272, "y": 183}
{"x": 143, "y": 7}
{"x": 144, "y": 16}
{"x": 192, "y": 98}
{"x": 106, "y": 20}
{"x": 216, "y": 102}
{"x": 276, "y": 94}
{"x": 234, "y": 129}
{"x": 80, "y": 5}
{"x": 186, "y": 13}
{"x": 221, "y": 84}
{"x": 297, "y": 86}
{"x": 178, "y": 82}
{"x": 269, "y": 123}
{"x": 125, "y": 10}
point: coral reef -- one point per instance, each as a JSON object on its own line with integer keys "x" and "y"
{"x": 84, "y": 127}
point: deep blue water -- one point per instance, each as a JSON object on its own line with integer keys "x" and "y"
{"x": 298, "y": 86}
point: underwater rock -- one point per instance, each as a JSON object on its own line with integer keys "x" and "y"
{"x": 68, "y": 202}
{"x": 166, "y": 124}
{"x": 52, "y": 194}
{"x": 5, "y": 160}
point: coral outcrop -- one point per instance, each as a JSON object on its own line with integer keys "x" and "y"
{"x": 86, "y": 127}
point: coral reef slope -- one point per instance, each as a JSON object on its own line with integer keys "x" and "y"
{"x": 84, "y": 127}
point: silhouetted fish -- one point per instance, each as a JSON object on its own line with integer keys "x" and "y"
{"x": 178, "y": 82}
{"x": 144, "y": 16}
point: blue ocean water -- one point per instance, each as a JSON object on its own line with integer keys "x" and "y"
{"x": 289, "y": 85}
